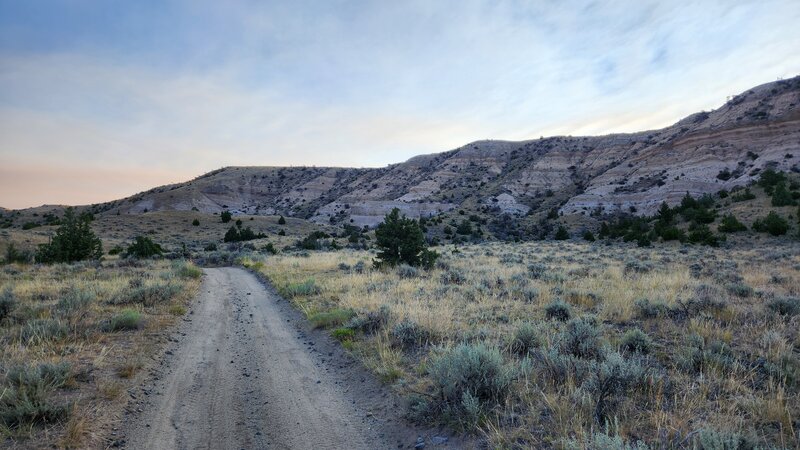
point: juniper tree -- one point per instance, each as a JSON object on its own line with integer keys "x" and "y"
{"x": 401, "y": 240}
{"x": 74, "y": 241}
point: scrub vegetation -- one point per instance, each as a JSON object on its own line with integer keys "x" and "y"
{"x": 73, "y": 337}
{"x": 573, "y": 345}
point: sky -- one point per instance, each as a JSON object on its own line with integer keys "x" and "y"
{"x": 100, "y": 99}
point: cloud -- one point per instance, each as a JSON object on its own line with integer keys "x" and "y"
{"x": 192, "y": 86}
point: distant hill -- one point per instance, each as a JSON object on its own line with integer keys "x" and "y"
{"x": 703, "y": 153}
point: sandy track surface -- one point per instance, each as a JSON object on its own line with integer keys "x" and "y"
{"x": 244, "y": 371}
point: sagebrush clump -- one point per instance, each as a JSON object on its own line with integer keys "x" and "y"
{"x": 470, "y": 376}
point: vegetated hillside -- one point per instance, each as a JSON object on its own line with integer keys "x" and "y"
{"x": 702, "y": 154}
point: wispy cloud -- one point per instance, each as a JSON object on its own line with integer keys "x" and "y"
{"x": 184, "y": 87}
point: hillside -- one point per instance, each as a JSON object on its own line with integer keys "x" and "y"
{"x": 703, "y": 153}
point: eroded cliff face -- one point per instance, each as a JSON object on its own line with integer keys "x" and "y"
{"x": 702, "y": 153}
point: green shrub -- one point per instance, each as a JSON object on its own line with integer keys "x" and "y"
{"x": 700, "y": 215}
{"x": 26, "y": 392}
{"x": 43, "y": 330}
{"x": 730, "y": 224}
{"x": 740, "y": 290}
{"x": 464, "y": 228}
{"x": 14, "y": 255}
{"x": 743, "y": 196}
{"x": 646, "y": 309}
{"x": 581, "y": 338}
{"x": 781, "y": 196}
{"x": 671, "y": 233}
{"x": 526, "y": 338}
{"x": 471, "y": 373}
{"x": 769, "y": 178}
{"x": 636, "y": 341}
{"x": 270, "y": 248}
{"x": 561, "y": 234}
{"x": 453, "y": 276}
{"x": 609, "y": 381}
{"x": 588, "y": 236}
{"x": 404, "y": 271}
{"x": 73, "y": 241}
{"x": 126, "y": 319}
{"x": 210, "y": 247}
{"x": 558, "y": 368}
{"x": 146, "y": 294}
{"x": 708, "y": 439}
{"x": 558, "y": 310}
{"x": 186, "y": 269}
{"x": 196, "y": 222}
{"x": 772, "y": 224}
{"x": 225, "y": 216}
{"x": 529, "y": 294}
{"x": 333, "y": 318}
{"x": 701, "y": 234}
{"x": 73, "y": 306}
{"x": 7, "y": 302}
{"x": 281, "y": 220}
{"x": 116, "y": 250}
{"x": 343, "y": 334}
{"x": 604, "y": 441}
{"x": 637, "y": 266}
{"x": 303, "y": 289}
{"x": 238, "y": 234}
{"x": 408, "y": 334}
{"x": 371, "y": 321}
{"x": 700, "y": 355}
{"x": 537, "y": 270}
{"x": 785, "y": 306}
{"x": 143, "y": 247}
{"x": 313, "y": 241}
{"x": 401, "y": 240}
{"x": 75, "y": 299}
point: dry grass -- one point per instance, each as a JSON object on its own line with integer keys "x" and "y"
{"x": 62, "y": 315}
{"x": 721, "y": 360}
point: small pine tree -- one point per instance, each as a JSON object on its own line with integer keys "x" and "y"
{"x": 730, "y": 224}
{"x": 401, "y": 240}
{"x": 232, "y": 235}
{"x": 769, "y": 179}
{"x": 665, "y": 213}
{"x": 465, "y": 227}
{"x": 561, "y": 234}
{"x": 281, "y": 220}
{"x": 196, "y": 222}
{"x": 781, "y": 196}
{"x": 226, "y": 216}
{"x": 688, "y": 202}
{"x": 74, "y": 241}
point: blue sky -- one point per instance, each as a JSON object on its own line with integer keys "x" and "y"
{"x": 101, "y": 99}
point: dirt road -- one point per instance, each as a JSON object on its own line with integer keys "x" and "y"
{"x": 244, "y": 371}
